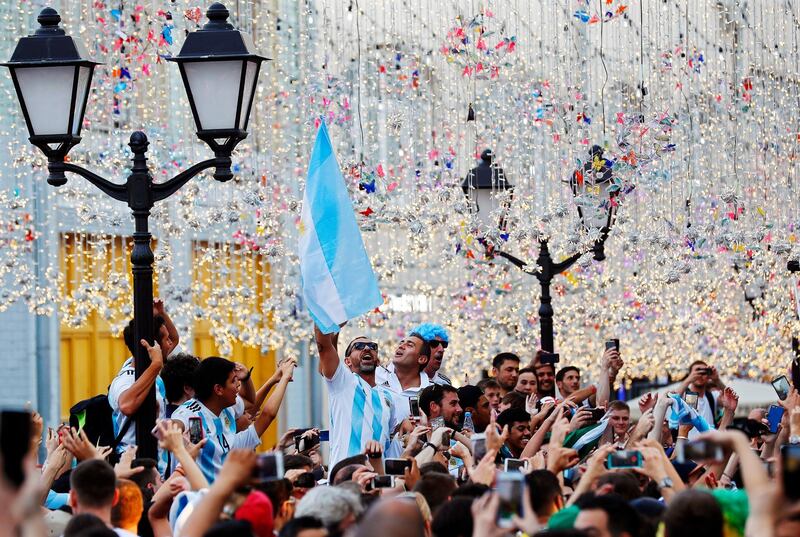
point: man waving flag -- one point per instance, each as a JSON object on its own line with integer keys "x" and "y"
{"x": 337, "y": 278}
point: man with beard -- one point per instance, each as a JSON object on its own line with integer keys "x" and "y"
{"x": 405, "y": 376}
{"x": 436, "y": 337}
{"x": 441, "y": 401}
{"x": 360, "y": 410}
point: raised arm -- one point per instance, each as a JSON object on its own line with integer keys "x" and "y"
{"x": 328, "y": 355}
{"x": 606, "y": 374}
{"x": 253, "y": 406}
{"x": 158, "y": 309}
{"x": 132, "y": 398}
{"x": 273, "y": 404}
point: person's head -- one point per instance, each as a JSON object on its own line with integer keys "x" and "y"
{"x": 178, "y": 376}
{"x": 357, "y": 460}
{"x": 452, "y": 520}
{"x": 526, "y": 381}
{"x": 474, "y": 401}
{"x": 87, "y": 525}
{"x": 257, "y": 511}
{"x": 491, "y": 389}
{"x": 304, "y": 526}
{"x": 624, "y": 484}
{"x": 412, "y": 354}
{"x": 215, "y": 380}
{"x": 432, "y": 467}
{"x": 436, "y": 337}
{"x": 160, "y": 334}
{"x": 519, "y": 428}
{"x": 93, "y": 488}
{"x": 297, "y": 462}
{"x": 608, "y": 516}
{"x": 568, "y": 380}
{"x": 619, "y": 417}
{"x": 545, "y": 493}
{"x": 392, "y": 517}
{"x": 279, "y": 492}
{"x": 699, "y": 367}
{"x": 148, "y": 480}
{"x": 361, "y": 356}
{"x": 128, "y": 510}
{"x": 505, "y": 368}
{"x": 337, "y": 508}
{"x": 436, "y": 488}
{"x": 693, "y": 512}
{"x": 546, "y": 377}
{"x": 512, "y": 399}
{"x": 441, "y": 400}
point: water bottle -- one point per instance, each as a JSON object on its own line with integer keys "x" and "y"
{"x": 468, "y": 425}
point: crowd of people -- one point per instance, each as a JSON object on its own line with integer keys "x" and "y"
{"x": 531, "y": 449}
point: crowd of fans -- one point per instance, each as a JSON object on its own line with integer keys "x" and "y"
{"x": 528, "y": 450}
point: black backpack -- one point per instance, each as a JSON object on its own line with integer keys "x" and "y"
{"x": 94, "y": 416}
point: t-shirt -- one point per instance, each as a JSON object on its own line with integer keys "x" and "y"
{"x": 122, "y": 383}
{"x": 706, "y": 411}
{"x": 358, "y": 413}
{"x": 388, "y": 378}
{"x": 221, "y": 433}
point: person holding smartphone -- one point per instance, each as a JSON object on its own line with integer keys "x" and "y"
{"x": 698, "y": 385}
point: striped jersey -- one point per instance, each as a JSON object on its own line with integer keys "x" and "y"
{"x": 221, "y": 433}
{"x": 122, "y": 383}
{"x": 358, "y": 413}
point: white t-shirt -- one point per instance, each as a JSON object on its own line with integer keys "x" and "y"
{"x": 358, "y": 413}
{"x": 705, "y": 410}
{"x": 388, "y": 378}
{"x": 221, "y": 433}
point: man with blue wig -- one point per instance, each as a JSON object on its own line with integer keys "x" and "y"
{"x": 436, "y": 336}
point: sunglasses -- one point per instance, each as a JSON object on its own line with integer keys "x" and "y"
{"x": 435, "y": 343}
{"x": 361, "y": 345}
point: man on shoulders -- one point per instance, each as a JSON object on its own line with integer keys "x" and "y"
{"x": 406, "y": 375}
{"x": 360, "y": 410}
{"x": 436, "y": 337}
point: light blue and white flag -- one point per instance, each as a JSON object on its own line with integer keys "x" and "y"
{"x": 682, "y": 414}
{"x": 337, "y": 279}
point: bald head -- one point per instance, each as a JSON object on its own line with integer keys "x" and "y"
{"x": 397, "y": 517}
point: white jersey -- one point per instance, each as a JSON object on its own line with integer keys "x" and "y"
{"x": 122, "y": 383}
{"x": 358, "y": 413}
{"x": 221, "y": 433}
{"x": 705, "y": 410}
{"x": 386, "y": 377}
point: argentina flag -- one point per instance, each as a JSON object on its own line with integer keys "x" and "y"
{"x": 337, "y": 279}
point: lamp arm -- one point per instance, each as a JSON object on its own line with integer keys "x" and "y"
{"x": 164, "y": 190}
{"x": 118, "y": 192}
{"x": 561, "y": 266}
{"x": 517, "y": 262}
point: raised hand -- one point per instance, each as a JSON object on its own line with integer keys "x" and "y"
{"x": 154, "y": 352}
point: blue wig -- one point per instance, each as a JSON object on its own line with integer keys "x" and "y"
{"x": 430, "y": 331}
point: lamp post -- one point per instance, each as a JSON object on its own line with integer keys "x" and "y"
{"x": 52, "y": 77}
{"x": 596, "y": 209}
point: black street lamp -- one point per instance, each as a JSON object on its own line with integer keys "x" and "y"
{"x": 483, "y": 183}
{"x": 52, "y": 77}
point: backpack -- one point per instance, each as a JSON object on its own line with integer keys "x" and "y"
{"x": 94, "y": 416}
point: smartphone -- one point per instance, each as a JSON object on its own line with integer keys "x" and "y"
{"x": 691, "y": 398}
{"x": 625, "y": 458}
{"x": 195, "y": 430}
{"x": 510, "y": 488}
{"x": 597, "y": 413}
{"x": 304, "y": 443}
{"x": 774, "y": 416}
{"x": 396, "y": 466}
{"x": 14, "y": 425}
{"x": 751, "y": 428}
{"x": 305, "y": 481}
{"x": 156, "y": 432}
{"x": 382, "y": 482}
{"x": 700, "y": 450}
{"x": 436, "y": 423}
{"x": 612, "y": 344}
{"x": 549, "y": 358}
{"x": 325, "y": 436}
{"x": 446, "y": 437}
{"x": 790, "y": 456}
{"x": 413, "y": 406}
{"x": 479, "y": 446}
{"x": 782, "y": 388}
{"x": 515, "y": 465}
{"x": 269, "y": 467}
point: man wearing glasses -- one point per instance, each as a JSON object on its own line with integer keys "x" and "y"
{"x": 436, "y": 337}
{"x": 360, "y": 410}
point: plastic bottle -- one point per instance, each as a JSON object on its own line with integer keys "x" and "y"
{"x": 468, "y": 425}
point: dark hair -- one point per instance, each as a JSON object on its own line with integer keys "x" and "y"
{"x": 513, "y": 415}
{"x": 146, "y": 477}
{"x": 527, "y": 369}
{"x": 693, "y": 512}
{"x": 211, "y": 372}
{"x": 450, "y": 519}
{"x": 432, "y": 467}
{"x": 436, "y": 488}
{"x": 623, "y": 483}
{"x": 621, "y": 516}
{"x": 177, "y": 373}
{"x": 295, "y": 462}
{"x": 434, "y": 394}
{"x": 487, "y": 383}
{"x": 127, "y": 333}
{"x": 94, "y": 483}
{"x": 498, "y": 360}
{"x": 86, "y": 525}
{"x": 468, "y": 396}
{"x": 230, "y": 528}
{"x": 514, "y": 399}
{"x": 277, "y": 490}
{"x": 691, "y": 366}
{"x": 564, "y": 370}
{"x": 355, "y": 459}
{"x": 544, "y": 489}
{"x": 425, "y": 350}
{"x": 295, "y": 525}
{"x": 349, "y": 348}
{"x": 471, "y": 490}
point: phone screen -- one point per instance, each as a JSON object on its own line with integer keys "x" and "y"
{"x": 14, "y": 425}
{"x": 781, "y": 385}
{"x": 790, "y": 456}
{"x": 515, "y": 465}
{"x": 413, "y": 406}
{"x": 510, "y": 487}
{"x": 691, "y": 399}
{"x": 396, "y": 466}
{"x": 624, "y": 459}
{"x": 325, "y": 436}
{"x": 774, "y": 416}
{"x": 195, "y": 430}
{"x": 479, "y": 446}
{"x": 269, "y": 466}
